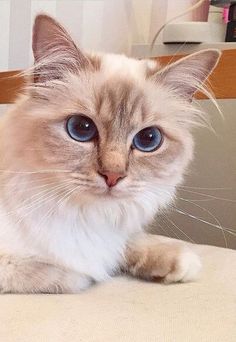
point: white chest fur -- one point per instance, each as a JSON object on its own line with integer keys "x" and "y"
{"x": 89, "y": 240}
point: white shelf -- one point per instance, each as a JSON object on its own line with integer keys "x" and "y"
{"x": 143, "y": 50}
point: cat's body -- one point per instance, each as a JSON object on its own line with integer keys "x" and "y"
{"x": 74, "y": 211}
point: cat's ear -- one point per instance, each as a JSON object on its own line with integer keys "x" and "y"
{"x": 54, "y": 50}
{"x": 187, "y": 75}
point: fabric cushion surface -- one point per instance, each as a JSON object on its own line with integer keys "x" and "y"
{"x": 126, "y": 309}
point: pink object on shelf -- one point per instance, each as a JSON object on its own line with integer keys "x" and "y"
{"x": 226, "y": 14}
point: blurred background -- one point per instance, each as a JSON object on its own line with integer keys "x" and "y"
{"x": 205, "y": 211}
{"x": 104, "y": 25}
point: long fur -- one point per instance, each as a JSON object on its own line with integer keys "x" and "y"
{"x": 61, "y": 228}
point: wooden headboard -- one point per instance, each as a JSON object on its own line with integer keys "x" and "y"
{"x": 223, "y": 80}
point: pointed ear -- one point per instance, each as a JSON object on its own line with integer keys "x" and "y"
{"x": 54, "y": 50}
{"x": 187, "y": 75}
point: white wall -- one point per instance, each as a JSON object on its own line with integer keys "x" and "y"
{"x": 106, "y": 25}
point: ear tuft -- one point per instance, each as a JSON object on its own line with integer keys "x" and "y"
{"x": 187, "y": 75}
{"x": 54, "y": 50}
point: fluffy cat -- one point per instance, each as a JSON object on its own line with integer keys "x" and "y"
{"x": 91, "y": 151}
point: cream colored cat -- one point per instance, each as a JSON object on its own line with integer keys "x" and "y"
{"x": 91, "y": 151}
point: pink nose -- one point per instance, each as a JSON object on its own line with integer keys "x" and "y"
{"x": 112, "y": 178}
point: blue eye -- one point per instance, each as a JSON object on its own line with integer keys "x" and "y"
{"x": 81, "y": 128}
{"x": 148, "y": 139}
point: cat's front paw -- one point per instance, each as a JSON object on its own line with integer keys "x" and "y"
{"x": 158, "y": 258}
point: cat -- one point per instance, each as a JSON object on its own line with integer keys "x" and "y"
{"x": 92, "y": 149}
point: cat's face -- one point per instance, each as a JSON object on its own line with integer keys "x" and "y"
{"x": 118, "y": 127}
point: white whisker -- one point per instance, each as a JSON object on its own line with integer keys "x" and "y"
{"x": 175, "y": 225}
{"x": 33, "y": 172}
{"x": 43, "y": 200}
{"x": 228, "y": 230}
{"x": 208, "y": 212}
{"x": 56, "y": 205}
{"x": 163, "y": 229}
{"x": 38, "y": 197}
{"x": 171, "y": 229}
{"x": 204, "y": 188}
{"x": 209, "y": 196}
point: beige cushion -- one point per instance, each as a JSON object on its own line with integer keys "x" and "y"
{"x": 130, "y": 310}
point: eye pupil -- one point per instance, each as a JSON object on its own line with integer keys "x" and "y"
{"x": 81, "y": 128}
{"x": 148, "y": 140}
{"x": 146, "y": 137}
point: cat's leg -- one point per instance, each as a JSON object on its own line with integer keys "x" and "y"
{"x": 29, "y": 275}
{"x": 154, "y": 257}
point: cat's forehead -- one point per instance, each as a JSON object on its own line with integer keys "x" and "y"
{"x": 120, "y": 102}
{"x": 118, "y": 90}
{"x": 121, "y": 96}
{"x": 120, "y": 65}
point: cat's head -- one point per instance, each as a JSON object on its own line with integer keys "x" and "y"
{"x": 119, "y": 127}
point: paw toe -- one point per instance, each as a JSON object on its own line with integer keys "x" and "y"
{"x": 186, "y": 269}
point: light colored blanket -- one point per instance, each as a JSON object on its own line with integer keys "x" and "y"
{"x": 129, "y": 310}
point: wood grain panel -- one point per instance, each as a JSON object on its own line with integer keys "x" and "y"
{"x": 10, "y": 85}
{"x": 223, "y": 80}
